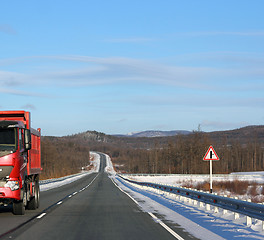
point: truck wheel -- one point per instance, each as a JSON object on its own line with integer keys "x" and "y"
{"x": 37, "y": 193}
{"x": 34, "y": 201}
{"x": 18, "y": 208}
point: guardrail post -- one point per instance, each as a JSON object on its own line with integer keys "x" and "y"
{"x": 249, "y": 221}
{"x": 216, "y": 209}
{"x": 208, "y": 207}
{"x": 224, "y": 211}
{"x": 249, "y": 210}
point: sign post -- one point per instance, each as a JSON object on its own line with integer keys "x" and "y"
{"x": 211, "y": 156}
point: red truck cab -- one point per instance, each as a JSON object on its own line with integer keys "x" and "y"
{"x": 20, "y": 161}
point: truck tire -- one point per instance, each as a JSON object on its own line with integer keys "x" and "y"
{"x": 18, "y": 208}
{"x": 34, "y": 201}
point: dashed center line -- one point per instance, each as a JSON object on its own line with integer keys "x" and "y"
{"x": 41, "y": 215}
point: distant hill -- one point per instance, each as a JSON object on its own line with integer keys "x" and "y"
{"x": 242, "y": 135}
{"x": 155, "y": 133}
{"x": 147, "y": 139}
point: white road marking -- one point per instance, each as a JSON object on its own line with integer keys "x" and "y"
{"x": 41, "y": 215}
{"x": 152, "y": 215}
{"x": 166, "y": 227}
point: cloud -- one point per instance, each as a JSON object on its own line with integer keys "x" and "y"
{"x": 196, "y": 100}
{"x": 223, "y": 33}
{"x": 6, "y": 28}
{"x": 19, "y": 92}
{"x": 131, "y": 40}
{"x": 28, "y": 107}
{"x": 113, "y": 70}
{"x": 122, "y": 120}
{"x": 108, "y": 71}
{"x": 222, "y": 125}
{"x": 87, "y": 71}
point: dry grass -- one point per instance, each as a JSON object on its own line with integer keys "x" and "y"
{"x": 248, "y": 189}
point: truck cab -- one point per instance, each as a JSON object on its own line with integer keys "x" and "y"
{"x": 19, "y": 163}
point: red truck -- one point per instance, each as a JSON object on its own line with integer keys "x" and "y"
{"x": 20, "y": 161}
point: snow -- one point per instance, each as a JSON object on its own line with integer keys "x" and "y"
{"x": 192, "y": 217}
{"x": 195, "y": 219}
{"x": 200, "y": 222}
{"x": 182, "y": 180}
{"x": 46, "y": 185}
{"x": 109, "y": 165}
{"x": 178, "y": 179}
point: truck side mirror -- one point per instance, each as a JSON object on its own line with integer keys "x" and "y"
{"x": 27, "y": 139}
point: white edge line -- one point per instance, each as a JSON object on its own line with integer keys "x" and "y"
{"x": 152, "y": 215}
{"x": 135, "y": 201}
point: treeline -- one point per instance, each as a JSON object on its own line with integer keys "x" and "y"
{"x": 62, "y": 156}
{"x": 238, "y": 150}
{"x": 185, "y": 154}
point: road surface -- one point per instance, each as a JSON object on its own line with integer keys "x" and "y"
{"x": 89, "y": 208}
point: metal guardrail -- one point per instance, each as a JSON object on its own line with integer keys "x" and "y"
{"x": 253, "y": 210}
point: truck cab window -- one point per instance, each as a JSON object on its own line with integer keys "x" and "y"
{"x": 21, "y": 145}
{"x": 7, "y": 139}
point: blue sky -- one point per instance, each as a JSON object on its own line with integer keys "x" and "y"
{"x": 123, "y": 66}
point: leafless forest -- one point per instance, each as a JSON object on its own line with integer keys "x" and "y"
{"x": 61, "y": 157}
{"x": 239, "y": 150}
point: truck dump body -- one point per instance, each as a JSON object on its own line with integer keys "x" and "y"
{"x": 34, "y": 157}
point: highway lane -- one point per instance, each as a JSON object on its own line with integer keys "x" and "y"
{"x": 94, "y": 209}
{"x": 9, "y": 221}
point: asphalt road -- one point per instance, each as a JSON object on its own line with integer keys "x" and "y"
{"x": 90, "y": 208}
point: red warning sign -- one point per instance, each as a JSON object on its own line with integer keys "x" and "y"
{"x": 211, "y": 155}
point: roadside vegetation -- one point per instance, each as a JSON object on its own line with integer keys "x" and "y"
{"x": 61, "y": 157}
{"x": 240, "y": 150}
{"x": 241, "y": 189}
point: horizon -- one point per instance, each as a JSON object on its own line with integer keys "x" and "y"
{"x": 131, "y": 133}
{"x": 116, "y": 66}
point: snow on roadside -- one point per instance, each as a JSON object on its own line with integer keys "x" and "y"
{"x": 109, "y": 166}
{"x": 177, "y": 179}
{"x": 255, "y": 180}
{"x": 46, "y": 185}
{"x": 96, "y": 161}
{"x": 198, "y": 221}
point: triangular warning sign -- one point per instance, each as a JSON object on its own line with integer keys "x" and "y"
{"x": 210, "y": 155}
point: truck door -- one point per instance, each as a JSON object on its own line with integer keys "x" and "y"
{"x": 22, "y": 153}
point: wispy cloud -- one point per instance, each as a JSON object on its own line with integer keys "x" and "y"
{"x": 8, "y": 29}
{"x": 222, "y": 125}
{"x": 197, "y": 101}
{"x": 223, "y": 33}
{"x": 98, "y": 71}
{"x": 131, "y": 40}
{"x": 28, "y": 107}
{"x": 21, "y": 92}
